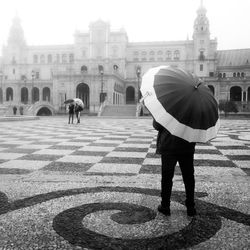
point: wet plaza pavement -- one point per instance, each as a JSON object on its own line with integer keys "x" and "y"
{"x": 96, "y": 185}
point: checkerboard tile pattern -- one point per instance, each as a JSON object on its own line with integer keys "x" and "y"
{"x": 109, "y": 146}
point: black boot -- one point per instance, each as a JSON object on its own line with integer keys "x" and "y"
{"x": 191, "y": 211}
{"x": 164, "y": 210}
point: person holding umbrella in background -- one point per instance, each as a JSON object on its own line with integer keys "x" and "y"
{"x": 78, "y": 109}
{"x": 76, "y": 105}
{"x": 71, "y": 112}
{"x": 184, "y": 112}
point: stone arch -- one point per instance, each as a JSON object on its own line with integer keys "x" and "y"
{"x": 35, "y": 94}
{"x": 46, "y": 94}
{"x": 248, "y": 94}
{"x": 130, "y": 95}
{"x": 44, "y": 111}
{"x": 235, "y": 94}
{"x": 82, "y": 92}
{"x": 24, "y": 95}
{"x": 9, "y": 94}
{"x": 211, "y": 87}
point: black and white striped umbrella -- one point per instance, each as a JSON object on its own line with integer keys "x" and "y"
{"x": 181, "y": 103}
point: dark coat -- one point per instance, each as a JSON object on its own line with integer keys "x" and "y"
{"x": 168, "y": 143}
{"x": 71, "y": 109}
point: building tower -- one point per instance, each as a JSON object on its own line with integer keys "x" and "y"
{"x": 202, "y": 43}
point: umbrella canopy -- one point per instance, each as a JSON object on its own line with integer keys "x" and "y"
{"x": 181, "y": 103}
{"x": 78, "y": 101}
{"x": 68, "y": 101}
{"x": 75, "y": 101}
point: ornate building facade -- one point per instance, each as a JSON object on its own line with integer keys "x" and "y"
{"x": 103, "y": 64}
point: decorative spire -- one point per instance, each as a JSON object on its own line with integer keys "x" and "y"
{"x": 201, "y": 23}
{"x": 16, "y": 35}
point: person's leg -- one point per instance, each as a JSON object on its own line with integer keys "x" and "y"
{"x": 78, "y": 117}
{"x": 69, "y": 118}
{"x": 168, "y": 166}
{"x": 187, "y": 168}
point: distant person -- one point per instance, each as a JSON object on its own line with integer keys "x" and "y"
{"x": 21, "y": 110}
{"x": 71, "y": 112}
{"x": 78, "y": 109}
{"x": 14, "y": 110}
{"x": 172, "y": 150}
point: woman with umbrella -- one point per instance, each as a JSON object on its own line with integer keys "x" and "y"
{"x": 75, "y": 106}
{"x": 184, "y": 112}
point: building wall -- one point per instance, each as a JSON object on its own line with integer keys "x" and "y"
{"x": 64, "y": 68}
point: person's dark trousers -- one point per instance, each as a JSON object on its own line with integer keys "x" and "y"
{"x": 78, "y": 117}
{"x": 186, "y": 162}
{"x": 71, "y": 116}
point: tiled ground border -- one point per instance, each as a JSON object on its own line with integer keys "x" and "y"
{"x": 68, "y": 223}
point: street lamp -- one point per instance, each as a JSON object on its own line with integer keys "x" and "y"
{"x": 138, "y": 74}
{"x": 101, "y": 72}
{"x": 32, "y": 87}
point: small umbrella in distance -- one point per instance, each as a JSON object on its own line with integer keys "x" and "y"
{"x": 181, "y": 103}
{"x": 68, "y": 101}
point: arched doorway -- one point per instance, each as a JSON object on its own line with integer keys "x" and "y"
{"x": 235, "y": 94}
{"x": 44, "y": 111}
{"x": 35, "y": 95}
{"x": 211, "y": 87}
{"x": 9, "y": 94}
{"x": 130, "y": 95}
{"x": 24, "y": 95}
{"x": 82, "y": 92}
{"x": 46, "y": 94}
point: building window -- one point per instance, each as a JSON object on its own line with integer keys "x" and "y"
{"x": 169, "y": 55}
{"x": 35, "y": 59}
{"x": 144, "y": 53}
{"x": 201, "y": 56}
{"x": 151, "y": 53}
{"x": 64, "y": 58}
{"x": 14, "y": 71}
{"x": 136, "y": 53}
{"x": 224, "y": 75}
{"x": 242, "y": 74}
{"x": 42, "y": 59}
{"x": 211, "y": 74}
{"x": 37, "y": 75}
{"x": 71, "y": 58}
{"x": 234, "y": 74}
{"x": 159, "y": 53}
{"x": 176, "y": 55}
{"x": 84, "y": 69}
{"x": 115, "y": 67}
{"x": 201, "y": 67}
{"x": 49, "y": 58}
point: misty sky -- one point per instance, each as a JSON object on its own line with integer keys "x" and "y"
{"x": 55, "y": 21}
